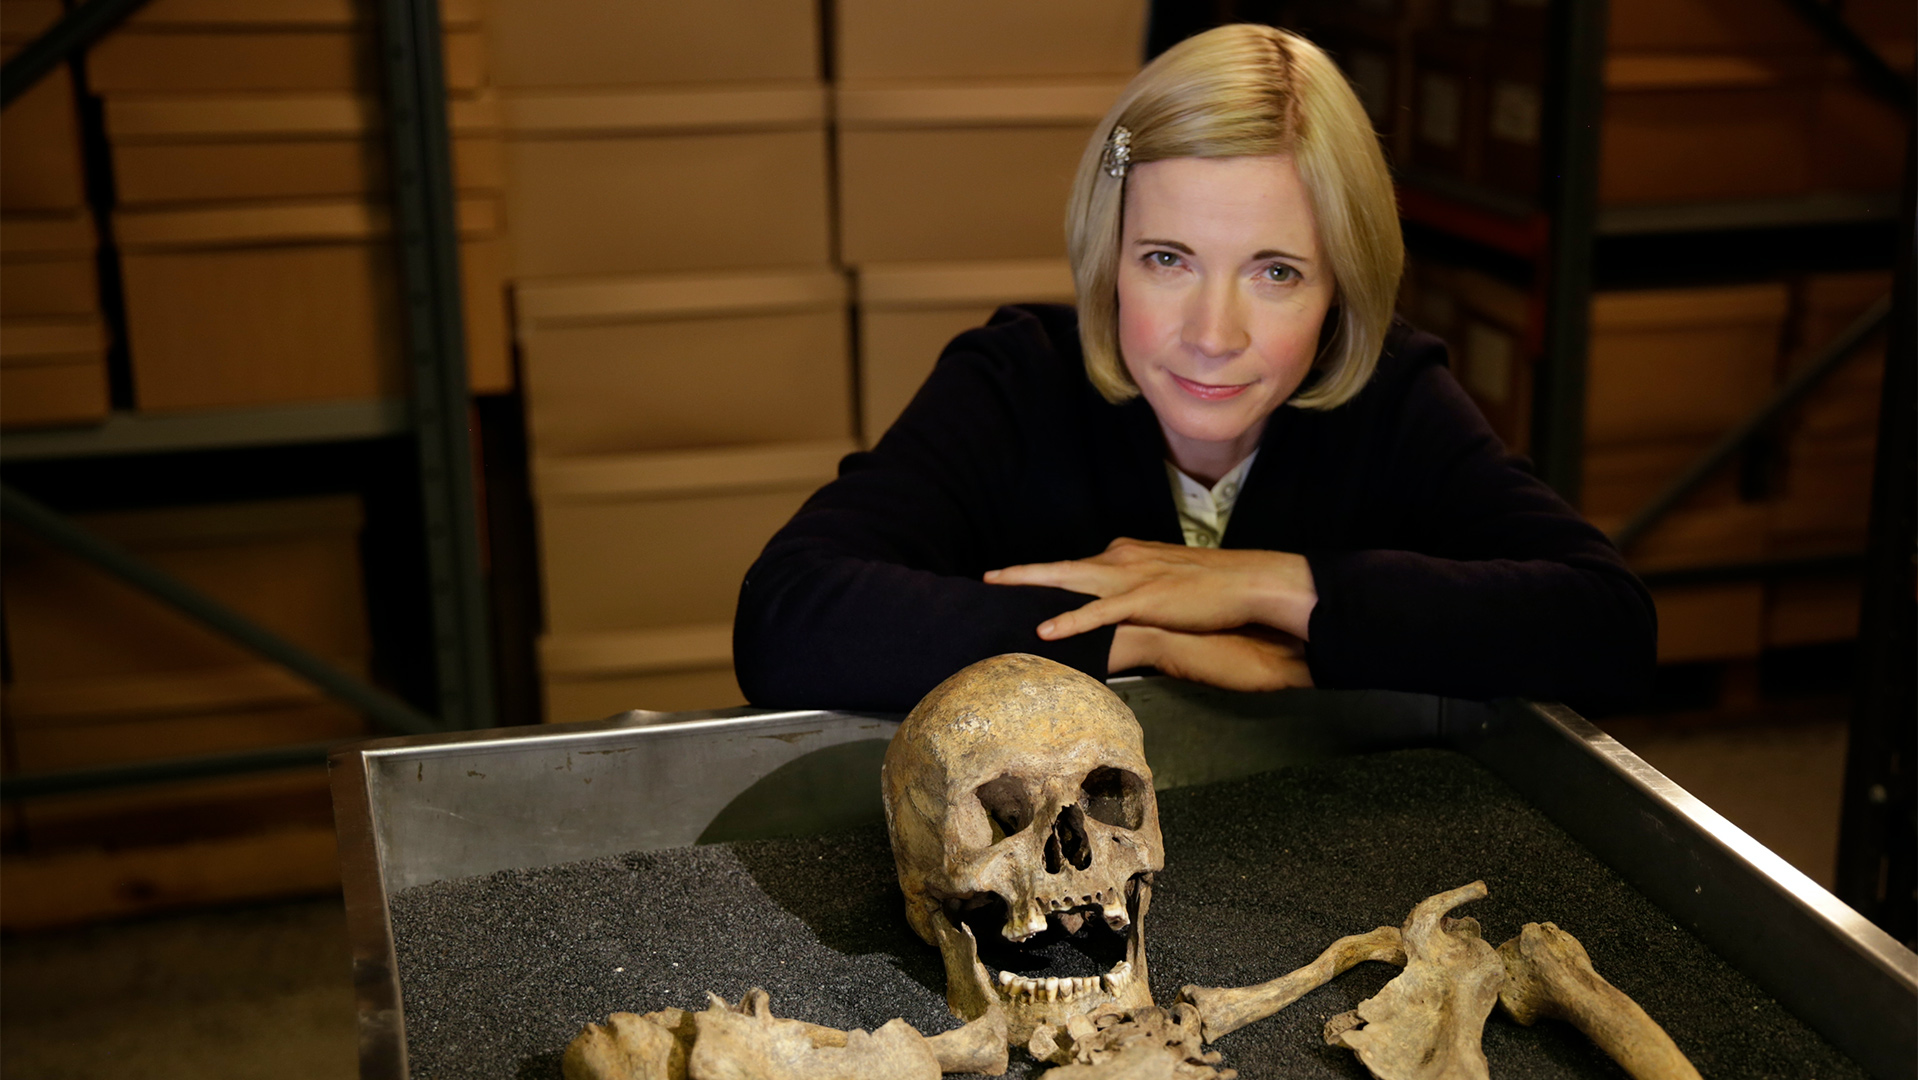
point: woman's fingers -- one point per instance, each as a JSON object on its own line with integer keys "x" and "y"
{"x": 1090, "y": 617}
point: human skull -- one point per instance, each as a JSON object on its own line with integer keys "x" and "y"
{"x": 1019, "y": 800}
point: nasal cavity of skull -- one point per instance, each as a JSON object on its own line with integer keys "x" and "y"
{"x": 1114, "y": 797}
{"x": 1007, "y": 804}
{"x": 1068, "y": 842}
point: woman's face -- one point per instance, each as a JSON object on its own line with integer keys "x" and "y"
{"x": 1222, "y": 291}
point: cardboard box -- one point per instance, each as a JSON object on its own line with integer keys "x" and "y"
{"x": 647, "y": 541}
{"x": 593, "y": 676}
{"x": 667, "y": 181}
{"x": 269, "y": 14}
{"x": 1491, "y": 328}
{"x": 1706, "y": 127}
{"x": 293, "y": 58}
{"x": 1824, "y": 500}
{"x": 1858, "y": 138}
{"x": 48, "y": 265}
{"x": 987, "y": 39}
{"x": 909, "y": 312}
{"x": 52, "y": 371}
{"x": 248, "y": 305}
{"x": 278, "y": 146}
{"x": 40, "y": 167}
{"x": 615, "y": 365}
{"x": 1812, "y": 611}
{"x": 1449, "y": 104}
{"x": 1710, "y": 622}
{"x": 83, "y": 641}
{"x": 945, "y": 172}
{"x": 1621, "y": 478}
{"x": 1669, "y": 363}
{"x": 548, "y": 44}
{"x": 1380, "y": 70}
{"x": 1514, "y": 125}
{"x": 1741, "y": 26}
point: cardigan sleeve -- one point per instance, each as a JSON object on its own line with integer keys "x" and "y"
{"x": 872, "y": 595}
{"x": 1493, "y": 586}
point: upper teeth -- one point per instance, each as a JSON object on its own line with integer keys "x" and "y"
{"x": 1058, "y": 989}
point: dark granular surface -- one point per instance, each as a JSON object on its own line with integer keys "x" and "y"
{"x": 499, "y": 972}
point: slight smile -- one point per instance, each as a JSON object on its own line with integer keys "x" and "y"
{"x": 1208, "y": 392}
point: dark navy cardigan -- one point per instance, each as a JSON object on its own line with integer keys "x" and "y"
{"x": 1442, "y": 565}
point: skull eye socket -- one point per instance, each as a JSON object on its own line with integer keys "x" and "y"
{"x": 1115, "y": 797}
{"x": 1007, "y": 805}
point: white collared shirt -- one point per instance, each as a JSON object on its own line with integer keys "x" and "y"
{"x": 1203, "y": 512}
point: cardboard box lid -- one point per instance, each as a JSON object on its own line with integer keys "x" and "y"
{"x": 1723, "y": 71}
{"x": 241, "y": 116}
{"x": 281, "y": 13}
{"x": 30, "y": 342}
{"x": 969, "y": 283}
{"x": 43, "y": 236}
{"x": 61, "y": 702}
{"x": 636, "y": 652}
{"x": 974, "y": 104}
{"x": 1657, "y": 309}
{"x": 551, "y": 301}
{"x": 228, "y": 523}
{"x": 625, "y": 477}
{"x": 743, "y": 108}
{"x": 235, "y": 225}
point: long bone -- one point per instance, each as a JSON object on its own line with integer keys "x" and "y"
{"x": 1226, "y": 1009}
{"x": 1548, "y": 973}
{"x": 1427, "y": 1024}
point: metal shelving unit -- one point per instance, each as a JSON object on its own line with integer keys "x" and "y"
{"x": 436, "y": 417}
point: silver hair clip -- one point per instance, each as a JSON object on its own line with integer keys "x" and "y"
{"x": 1118, "y": 155}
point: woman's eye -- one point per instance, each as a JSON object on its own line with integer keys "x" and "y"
{"x": 1280, "y": 273}
{"x": 1165, "y": 259}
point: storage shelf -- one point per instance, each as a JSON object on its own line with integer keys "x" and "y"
{"x": 1825, "y": 208}
{"x": 159, "y": 433}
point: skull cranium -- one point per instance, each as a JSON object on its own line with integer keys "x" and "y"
{"x": 1019, "y": 801}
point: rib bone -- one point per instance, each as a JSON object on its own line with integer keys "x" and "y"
{"x": 1427, "y": 1023}
{"x": 1228, "y": 1009}
{"x": 1549, "y": 974}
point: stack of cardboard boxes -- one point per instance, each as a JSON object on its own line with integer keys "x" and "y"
{"x": 960, "y": 128}
{"x": 252, "y": 202}
{"x": 101, "y": 673}
{"x": 53, "y": 344}
{"x": 681, "y": 322}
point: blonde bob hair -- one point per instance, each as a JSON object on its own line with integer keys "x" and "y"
{"x": 1246, "y": 91}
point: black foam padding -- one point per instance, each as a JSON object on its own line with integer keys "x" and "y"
{"x": 498, "y": 972}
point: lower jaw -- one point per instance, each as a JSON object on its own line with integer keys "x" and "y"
{"x": 971, "y": 990}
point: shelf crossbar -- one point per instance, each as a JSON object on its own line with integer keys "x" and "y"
{"x": 382, "y": 708}
{"x": 1802, "y": 382}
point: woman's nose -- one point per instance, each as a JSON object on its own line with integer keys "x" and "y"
{"x": 1214, "y": 326}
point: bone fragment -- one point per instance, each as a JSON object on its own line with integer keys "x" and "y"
{"x": 1111, "y": 1043}
{"x": 978, "y": 1047}
{"x": 749, "y": 1043}
{"x": 1224, "y": 1009}
{"x": 1549, "y": 974}
{"x": 1428, "y": 1022}
{"x": 630, "y": 1047}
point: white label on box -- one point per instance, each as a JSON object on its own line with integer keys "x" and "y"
{"x": 1439, "y": 110}
{"x": 1488, "y": 362}
{"x": 1372, "y": 81}
{"x": 1515, "y": 113}
{"x": 1471, "y": 12}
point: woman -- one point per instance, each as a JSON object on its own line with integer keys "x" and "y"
{"x": 1230, "y": 463}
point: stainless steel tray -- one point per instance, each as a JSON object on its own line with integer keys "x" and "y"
{"x": 430, "y": 808}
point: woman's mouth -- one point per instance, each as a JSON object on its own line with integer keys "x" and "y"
{"x": 1210, "y": 391}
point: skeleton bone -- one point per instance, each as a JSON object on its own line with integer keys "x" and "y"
{"x": 1549, "y": 974}
{"x": 1228, "y": 1009}
{"x": 1021, "y": 781}
{"x": 747, "y": 1042}
{"x": 1138, "y": 1044}
{"x": 1427, "y": 1023}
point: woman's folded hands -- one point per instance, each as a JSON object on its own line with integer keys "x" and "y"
{"x": 1231, "y": 618}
